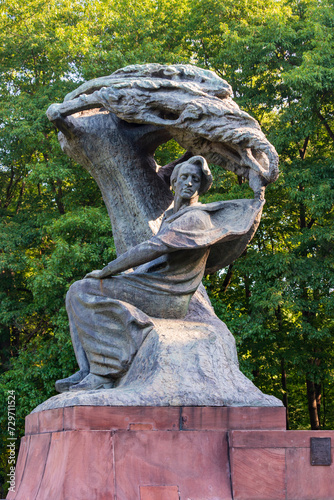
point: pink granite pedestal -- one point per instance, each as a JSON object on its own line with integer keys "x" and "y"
{"x": 167, "y": 453}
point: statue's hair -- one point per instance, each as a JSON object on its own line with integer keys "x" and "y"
{"x": 206, "y": 181}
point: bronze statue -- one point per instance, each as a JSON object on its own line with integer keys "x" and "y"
{"x": 143, "y": 329}
{"x": 169, "y": 268}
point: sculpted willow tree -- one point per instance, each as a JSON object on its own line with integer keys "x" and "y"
{"x": 112, "y": 126}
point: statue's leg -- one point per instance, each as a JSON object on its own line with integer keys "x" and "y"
{"x": 108, "y": 324}
{"x": 106, "y": 331}
{"x": 77, "y": 345}
{"x": 64, "y": 384}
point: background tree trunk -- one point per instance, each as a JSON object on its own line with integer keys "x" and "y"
{"x": 313, "y": 398}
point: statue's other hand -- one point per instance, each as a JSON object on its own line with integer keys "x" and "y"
{"x": 99, "y": 274}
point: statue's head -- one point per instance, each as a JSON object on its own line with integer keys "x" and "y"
{"x": 191, "y": 178}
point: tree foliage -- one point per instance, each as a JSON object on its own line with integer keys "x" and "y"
{"x": 278, "y": 297}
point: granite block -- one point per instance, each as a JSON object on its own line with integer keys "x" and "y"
{"x": 197, "y": 462}
{"x": 32, "y": 424}
{"x": 275, "y": 439}
{"x": 79, "y": 467}
{"x": 20, "y": 465}
{"x": 258, "y": 474}
{"x": 37, "y": 456}
{"x": 51, "y": 421}
{"x": 306, "y": 481}
{"x": 118, "y": 418}
{"x": 227, "y": 418}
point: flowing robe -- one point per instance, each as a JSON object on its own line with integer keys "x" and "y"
{"x": 110, "y": 318}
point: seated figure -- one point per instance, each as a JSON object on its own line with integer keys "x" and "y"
{"x": 110, "y": 313}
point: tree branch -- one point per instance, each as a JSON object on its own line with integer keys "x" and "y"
{"x": 228, "y": 278}
{"x": 327, "y": 127}
{"x": 302, "y": 152}
{"x": 310, "y": 224}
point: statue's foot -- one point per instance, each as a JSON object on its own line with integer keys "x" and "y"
{"x": 64, "y": 384}
{"x": 92, "y": 383}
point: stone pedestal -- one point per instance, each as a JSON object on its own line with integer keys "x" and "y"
{"x": 276, "y": 465}
{"x": 167, "y": 453}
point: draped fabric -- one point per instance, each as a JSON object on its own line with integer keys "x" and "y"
{"x": 226, "y": 227}
{"x": 110, "y": 318}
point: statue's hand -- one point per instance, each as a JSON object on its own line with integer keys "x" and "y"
{"x": 99, "y": 274}
{"x": 53, "y": 112}
{"x": 257, "y": 183}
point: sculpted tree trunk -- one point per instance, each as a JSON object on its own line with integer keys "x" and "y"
{"x": 181, "y": 362}
{"x": 119, "y": 156}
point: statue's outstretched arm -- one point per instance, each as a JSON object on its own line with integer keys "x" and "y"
{"x": 140, "y": 254}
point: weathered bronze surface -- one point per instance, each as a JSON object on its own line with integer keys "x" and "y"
{"x": 143, "y": 329}
{"x": 321, "y": 451}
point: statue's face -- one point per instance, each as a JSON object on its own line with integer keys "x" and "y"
{"x": 188, "y": 181}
